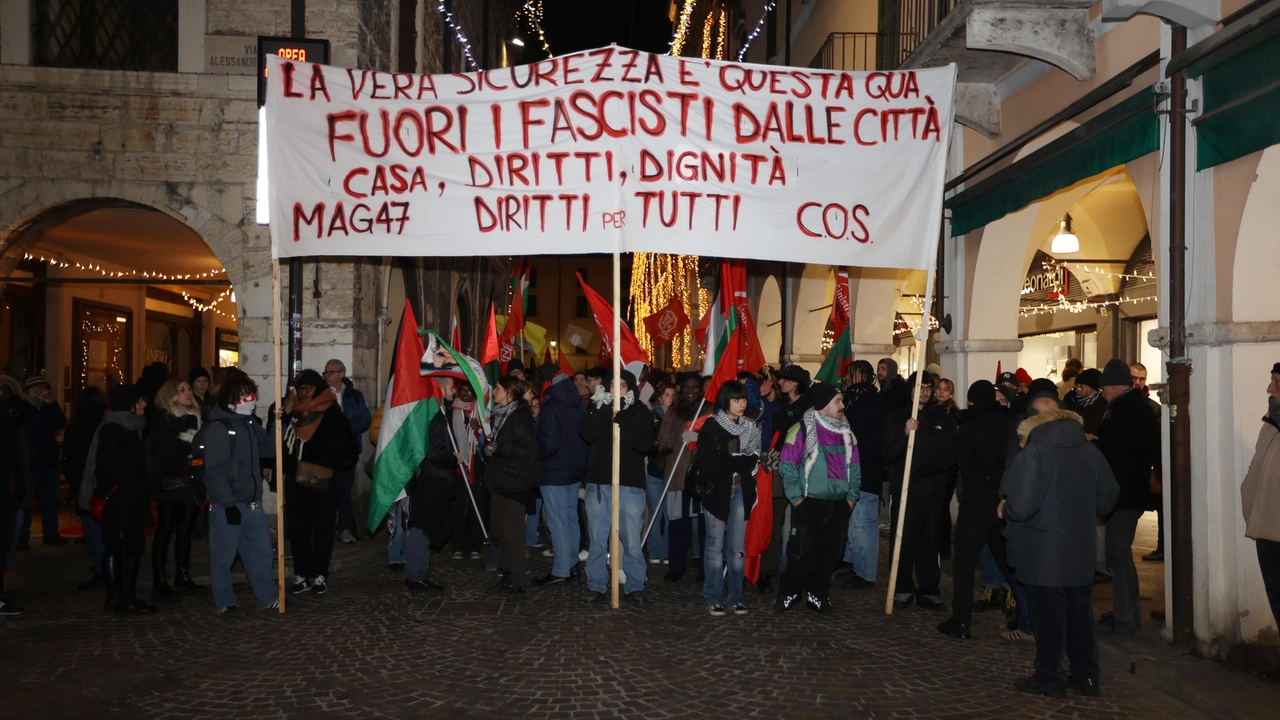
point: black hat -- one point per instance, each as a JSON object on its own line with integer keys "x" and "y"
{"x": 1091, "y": 377}
{"x": 1042, "y": 388}
{"x": 1117, "y": 373}
{"x": 197, "y": 372}
{"x": 1275, "y": 369}
{"x": 513, "y": 365}
{"x": 796, "y": 373}
{"x": 822, "y": 394}
{"x": 547, "y": 371}
{"x": 120, "y": 398}
{"x": 928, "y": 380}
{"x": 981, "y": 391}
{"x": 630, "y": 379}
{"x": 1007, "y": 377}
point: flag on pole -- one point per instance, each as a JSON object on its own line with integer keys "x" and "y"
{"x": 633, "y": 356}
{"x": 727, "y": 369}
{"x": 507, "y": 341}
{"x": 838, "y": 358}
{"x": 840, "y": 302}
{"x": 729, "y": 310}
{"x": 665, "y": 323}
{"x": 546, "y": 356}
{"x": 412, "y": 401}
{"x": 490, "y": 357}
{"x": 443, "y": 360}
{"x": 565, "y": 367}
{"x": 455, "y": 334}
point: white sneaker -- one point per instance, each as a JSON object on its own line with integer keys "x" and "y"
{"x": 582, "y": 556}
{"x": 346, "y": 537}
{"x": 622, "y": 576}
{"x": 548, "y": 552}
{"x": 1017, "y": 636}
{"x": 655, "y": 561}
{"x": 318, "y": 586}
{"x": 273, "y": 605}
{"x": 300, "y": 585}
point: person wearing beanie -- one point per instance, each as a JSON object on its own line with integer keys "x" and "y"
{"x": 199, "y": 381}
{"x": 822, "y": 479}
{"x": 1053, "y": 490}
{"x": 1090, "y": 405}
{"x": 46, "y": 457}
{"x": 1129, "y": 438}
{"x": 984, "y": 427}
{"x": 119, "y": 471}
{"x": 936, "y": 454}
{"x": 1260, "y": 498}
{"x": 638, "y": 434}
{"x": 1024, "y": 380}
{"x": 793, "y": 393}
{"x": 515, "y": 367}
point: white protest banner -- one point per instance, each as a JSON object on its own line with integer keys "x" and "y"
{"x": 610, "y": 149}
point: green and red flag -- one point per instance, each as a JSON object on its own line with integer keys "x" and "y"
{"x": 728, "y": 311}
{"x": 490, "y": 357}
{"x": 727, "y": 368}
{"x": 440, "y": 359}
{"x": 412, "y": 401}
{"x": 838, "y": 358}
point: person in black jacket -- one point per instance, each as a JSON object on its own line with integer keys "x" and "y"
{"x": 638, "y": 435}
{"x": 936, "y": 453}
{"x": 12, "y": 487}
{"x": 1129, "y": 438}
{"x": 42, "y": 428}
{"x": 793, "y": 393}
{"x": 728, "y": 457}
{"x": 511, "y": 476}
{"x": 173, "y": 486}
{"x": 91, "y": 405}
{"x": 864, "y": 410}
{"x": 895, "y": 395}
{"x": 983, "y": 429}
{"x": 233, "y": 447}
{"x": 318, "y": 441}
{"x": 430, "y": 492}
{"x": 562, "y": 468}
{"x": 120, "y": 467}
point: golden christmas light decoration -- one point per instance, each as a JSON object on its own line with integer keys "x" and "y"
{"x": 682, "y": 28}
{"x": 532, "y": 12}
{"x": 90, "y": 267}
{"x": 722, "y": 34}
{"x": 200, "y": 306}
{"x": 655, "y": 279}
{"x": 706, "y": 33}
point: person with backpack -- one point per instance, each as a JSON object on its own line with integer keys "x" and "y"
{"x": 228, "y": 453}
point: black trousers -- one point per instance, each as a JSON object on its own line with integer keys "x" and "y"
{"x": 818, "y": 532}
{"x": 466, "y": 535}
{"x": 1269, "y": 563}
{"x": 918, "y": 569}
{"x": 772, "y": 557}
{"x": 170, "y": 516}
{"x": 311, "y": 527}
{"x": 679, "y": 538}
{"x": 973, "y": 530}
{"x": 1063, "y": 619}
{"x": 508, "y": 517}
{"x": 8, "y": 517}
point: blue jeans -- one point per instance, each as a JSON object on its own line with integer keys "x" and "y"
{"x": 561, "y": 503}
{"x": 991, "y": 575}
{"x": 863, "y": 550}
{"x": 600, "y": 521}
{"x": 252, "y": 540}
{"x": 654, "y": 495}
{"x": 531, "y": 524}
{"x": 726, "y": 547}
{"x": 397, "y": 543}
{"x": 46, "y": 479}
{"x": 93, "y": 541}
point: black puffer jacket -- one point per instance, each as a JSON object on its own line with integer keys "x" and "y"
{"x": 638, "y": 435}
{"x": 431, "y": 488}
{"x": 512, "y": 469}
{"x": 983, "y": 431}
{"x": 863, "y": 408}
{"x": 716, "y": 460}
{"x": 1130, "y": 440}
{"x": 234, "y": 477}
{"x": 935, "y": 456}
{"x": 1055, "y": 489}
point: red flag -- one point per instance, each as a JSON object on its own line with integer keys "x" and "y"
{"x": 665, "y": 323}
{"x": 733, "y": 294}
{"x": 546, "y": 355}
{"x": 455, "y": 337}
{"x": 759, "y": 523}
{"x": 727, "y": 367}
{"x": 489, "y": 353}
{"x": 565, "y": 367}
{"x": 840, "y": 303}
{"x": 408, "y": 385}
{"x": 510, "y": 333}
{"x": 999, "y": 370}
{"x": 603, "y": 312}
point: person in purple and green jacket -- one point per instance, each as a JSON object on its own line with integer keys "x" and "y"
{"x": 823, "y": 480}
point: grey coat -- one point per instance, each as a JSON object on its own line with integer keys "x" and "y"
{"x": 237, "y": 479}
{"x": 1054, "y": 490}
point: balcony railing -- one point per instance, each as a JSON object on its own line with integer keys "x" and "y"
{"x": 904, "y": 24}
{"x": 857, "y": 51}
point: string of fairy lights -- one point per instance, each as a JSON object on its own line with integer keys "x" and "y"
{"x": 531, "y": 11}
{"x": 195, "y": 303}
{"x": 759, "y": 28}
{"x": 1062, "y": 304}
{"x": 682, "y": 28}
{"x": 458, "y": 34}
{"x": 655, "y": 279}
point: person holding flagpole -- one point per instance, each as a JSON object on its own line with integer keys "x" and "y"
{"x": 430, "y": 493}
{"x": 511, "y": 474}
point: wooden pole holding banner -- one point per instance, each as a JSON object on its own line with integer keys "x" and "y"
{"x": 615, "y": 552}
{"x": 279, "y": 396}
{"x": 921, "y": 336}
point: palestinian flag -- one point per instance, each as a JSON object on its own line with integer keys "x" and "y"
{"x": 440, "y": 358}
{"x": 412, "y": 401}
{"x": 839, "y": 357}
{"x": 490, "y": 357}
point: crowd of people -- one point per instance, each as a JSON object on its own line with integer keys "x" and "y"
{"x": 1051, "y": 479}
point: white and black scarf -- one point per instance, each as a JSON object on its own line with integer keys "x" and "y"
{"x": 1084, "y": 402}
{"x": 500, "y": 415}
{"x": 601, "y": 397}
{"x": 840, "y": 426}
{"x": 744, "y": 429}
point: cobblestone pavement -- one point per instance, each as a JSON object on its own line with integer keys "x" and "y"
{"x": 370, "y": 648}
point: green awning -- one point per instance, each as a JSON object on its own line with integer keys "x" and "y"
{"x": 1241, "y": 105}
{"x": 1125, "y": 132}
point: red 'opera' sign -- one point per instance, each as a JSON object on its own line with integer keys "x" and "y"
{"x": 610, "y": 149}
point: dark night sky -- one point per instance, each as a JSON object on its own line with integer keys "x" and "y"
{"x": 573, "y": 25}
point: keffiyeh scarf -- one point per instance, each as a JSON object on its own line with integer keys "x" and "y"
{"x": 839, "y": 426}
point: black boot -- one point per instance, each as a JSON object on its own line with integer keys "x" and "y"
{"x": 129, "y": 604}
{"x": 111, "y": 574}
{"x": 183, "y": 580}
{"x": 182, "y": 551}
{"x": 163, "y": 592}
